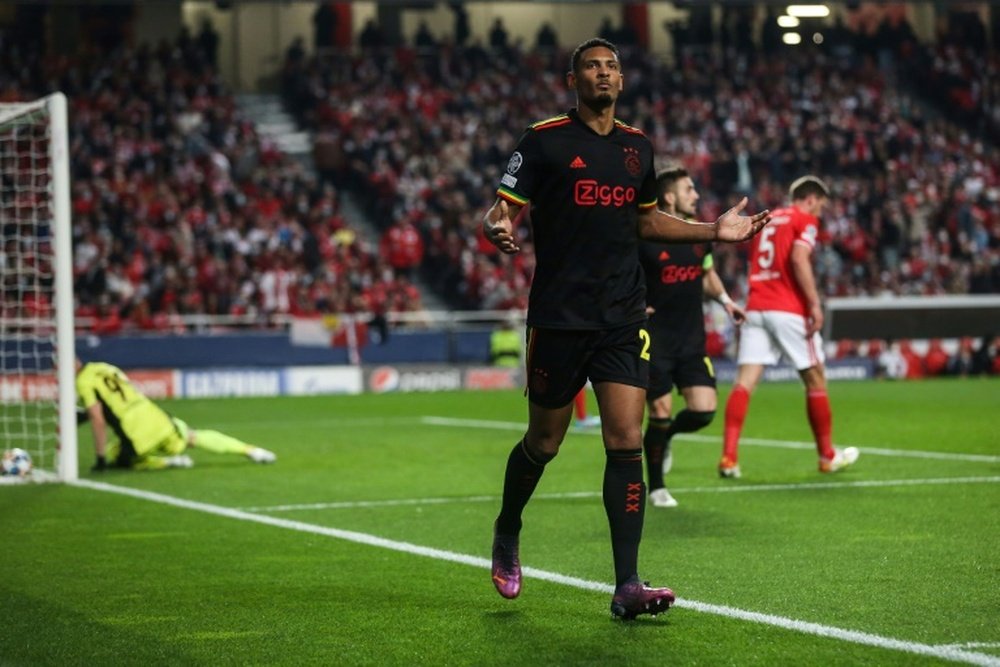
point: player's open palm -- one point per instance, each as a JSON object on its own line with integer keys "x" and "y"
{"x": 499, "y": 229}
{"x": 733, "y": 227}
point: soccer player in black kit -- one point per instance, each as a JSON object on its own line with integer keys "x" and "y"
{"x": 591, "y": 186}
{"x": 677, "y": 278}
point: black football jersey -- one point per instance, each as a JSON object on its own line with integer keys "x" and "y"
{"x": 585, "y": 192}
{"x": 674, "y": 290}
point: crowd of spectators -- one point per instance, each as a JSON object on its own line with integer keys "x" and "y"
{"x": 917, "y": 202}
{"x": 180, "y": 208}
{"x": 959, "y": 73}
{"x": 916, "y": 207}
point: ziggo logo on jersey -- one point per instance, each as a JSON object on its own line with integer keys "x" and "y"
{"x": 679, "y": 274}
{"x": 591, "y": 193}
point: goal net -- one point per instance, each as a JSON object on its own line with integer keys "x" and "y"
{"x": 37, "y": 394}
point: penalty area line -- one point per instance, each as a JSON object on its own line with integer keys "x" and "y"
{"x": 398, "y": 502}
{"x": 853, "y": 636}
{"x": 759, "y": 442}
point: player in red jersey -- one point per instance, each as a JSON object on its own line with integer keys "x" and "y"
{"x": 784, "y": 318}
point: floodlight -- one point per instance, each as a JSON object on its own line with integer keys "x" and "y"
{"x": 809, "y": 11}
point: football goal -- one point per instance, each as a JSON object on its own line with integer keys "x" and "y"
{"x": 37, "y": 395}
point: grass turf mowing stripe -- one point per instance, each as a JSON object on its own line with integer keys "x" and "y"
{"x": 943, "y": 652}
{"x": 354, "y": 504}
{"x": 760, "y": 442}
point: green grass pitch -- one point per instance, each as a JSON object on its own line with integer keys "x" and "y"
{"x": 366, "y": 543}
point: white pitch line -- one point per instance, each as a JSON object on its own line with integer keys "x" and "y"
{"x": 761, "y": 442}
{"x": 805, "y": 627}
{"x": 355, "y": 504}
{"x": 874, "y": 483}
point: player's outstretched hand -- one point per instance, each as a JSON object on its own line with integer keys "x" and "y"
{"x": 500, "y": 231}
{"x": 733, "y": 227}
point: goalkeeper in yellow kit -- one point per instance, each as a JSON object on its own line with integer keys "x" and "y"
{"x": 131, "y": 431}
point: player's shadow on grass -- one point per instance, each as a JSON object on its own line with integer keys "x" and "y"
{"x": 511, "y": 620}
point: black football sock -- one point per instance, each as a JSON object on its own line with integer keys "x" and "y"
{"x": 520, "y": 480}
{"x": 689, "y": 421}
{"x": 624, "y": 501}
{"x": 654, "y": 444}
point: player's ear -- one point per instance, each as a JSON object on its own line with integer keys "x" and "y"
{"x": 571, "y": 80}
{"x": 621, "y": 83}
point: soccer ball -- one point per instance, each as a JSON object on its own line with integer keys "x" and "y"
{"x": 16, "y": 462}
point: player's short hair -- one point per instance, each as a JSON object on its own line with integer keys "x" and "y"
{"x": 808, "y": 185}
{"x": 668, "y": 177}
{"x": 574, "y": 61}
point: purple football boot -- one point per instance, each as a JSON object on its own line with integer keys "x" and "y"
{"x": 635, "y": 597}
{"x": 506, "y": 565}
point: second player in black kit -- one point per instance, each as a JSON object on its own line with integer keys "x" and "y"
{"x": 589, "y": 181}
{"x": 677, "y": 278}
{"x": 674, "y": 292}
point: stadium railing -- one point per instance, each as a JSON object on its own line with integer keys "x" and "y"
{"x": 893, "y": 318}
{"x": 858, "y": 318}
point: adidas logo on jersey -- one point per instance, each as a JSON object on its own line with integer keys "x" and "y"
{"x": 577, "y": 163}
{"x": 664, "y": 255}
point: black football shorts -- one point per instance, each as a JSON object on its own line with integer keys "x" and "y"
{"x": 560, "y": 361}
{"x": 691, "y": 370}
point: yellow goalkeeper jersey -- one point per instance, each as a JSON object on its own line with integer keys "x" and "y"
{"x": 130, "y": 414}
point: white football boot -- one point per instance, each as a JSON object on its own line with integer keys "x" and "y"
{"x": 843, "y": 458}
{"x": 179, "y": 461}
{"x": 261, "y": 455}
{"x": 661, "y": 498}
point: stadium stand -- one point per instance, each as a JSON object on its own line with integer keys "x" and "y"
{"x": 181, "y": 208}
{"x": 917, "y": 205}
{"x": 917, "y": 195}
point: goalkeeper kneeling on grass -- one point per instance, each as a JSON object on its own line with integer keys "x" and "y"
{"x": 131, "y": 431}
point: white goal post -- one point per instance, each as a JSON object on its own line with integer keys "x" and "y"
{"x": 37, "y": 392}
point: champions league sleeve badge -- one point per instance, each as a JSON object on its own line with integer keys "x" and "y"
{"x": 516, "y": 160}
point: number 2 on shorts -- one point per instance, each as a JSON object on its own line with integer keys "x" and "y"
{"x": 644, "y": 335}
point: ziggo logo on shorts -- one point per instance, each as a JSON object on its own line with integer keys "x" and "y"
{"x": 591, "y": 193}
